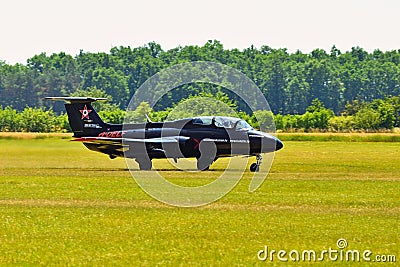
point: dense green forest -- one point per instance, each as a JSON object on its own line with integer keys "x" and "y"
{"x": 289, "y": 81}
{"x": 355, "y": 83}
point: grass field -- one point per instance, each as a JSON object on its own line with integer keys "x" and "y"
{"x": 61, "y": 204}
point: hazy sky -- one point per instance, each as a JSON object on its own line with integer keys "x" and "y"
{"x": 29, "y": 27}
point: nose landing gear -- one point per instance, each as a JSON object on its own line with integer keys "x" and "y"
{"x": 255, "y": 167}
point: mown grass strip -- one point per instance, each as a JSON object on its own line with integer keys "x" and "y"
{"x": 340, "y": 137}
{"x": 24, "y": 135}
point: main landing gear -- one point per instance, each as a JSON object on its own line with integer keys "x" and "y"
{"x": 255, "y": 167}
{"x": 145, "y": 164}
{"x": 203, "y": 164}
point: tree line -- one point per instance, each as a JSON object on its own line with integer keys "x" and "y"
{"x": 377, "y": 115}
{"x": 289, "y": 81}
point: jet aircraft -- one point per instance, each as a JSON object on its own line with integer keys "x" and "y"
{"x": 204, "y": 138}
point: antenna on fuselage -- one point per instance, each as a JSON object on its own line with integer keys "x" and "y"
{"x": 148, "y": 118}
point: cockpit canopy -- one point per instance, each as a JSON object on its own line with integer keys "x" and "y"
{"x": 223, "y": 122}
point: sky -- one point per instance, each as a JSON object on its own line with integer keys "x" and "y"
{"x": 30, "y": 27}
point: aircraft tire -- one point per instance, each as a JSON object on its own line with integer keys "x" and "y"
{"x": 203, "y": 165}
{"x": 254, "y": 167}
{"x": 144, "y": 164}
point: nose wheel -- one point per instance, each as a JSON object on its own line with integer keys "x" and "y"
{"x": 255, "y": 167}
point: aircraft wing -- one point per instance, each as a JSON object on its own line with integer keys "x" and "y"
{"x": 128, "y": 141}
{"x": 136, "y": 145}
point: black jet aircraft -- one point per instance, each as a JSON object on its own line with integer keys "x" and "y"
{"x": 204, "y": 138}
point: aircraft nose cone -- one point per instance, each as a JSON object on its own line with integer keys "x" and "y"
{"x": 278, "y": 144}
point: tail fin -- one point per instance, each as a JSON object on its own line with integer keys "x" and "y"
{"x": 82, "y": 117}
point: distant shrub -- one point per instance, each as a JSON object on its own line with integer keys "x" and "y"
{"x": 113, "y": 116}
{"x": 341, "y": 123}
{"x": 9, "y": 120}
{"x": 378, "y": 116}
{"x": 37, "y": 120}
{"x": 32, "y": 120}
{"x": 263, "y": 119}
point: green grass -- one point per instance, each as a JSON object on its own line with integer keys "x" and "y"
{"x": 342, "y": 137}
{"x": 61, "y": 204}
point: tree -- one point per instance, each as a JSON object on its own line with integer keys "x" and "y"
{"x": 316, "y": 106}
{"x": 139, "y": 114}
{"x": 317, "y": 116}
{"x": 289, "y": 81}
{"x": 395, "y": 102}
{"x": 386, "y": 113}
{"x": 204, "y": 104}
{"x": 367, "y": 119}
{"x": 264, "y": 120}
{"x": 112, "y": 82}
{"x": 275, "y": 80}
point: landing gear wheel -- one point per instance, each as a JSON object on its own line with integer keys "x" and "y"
{"x": 144, "y": 164}
{"x": 203, "y": 165}
{"x": 254, "y": 167}
{"x": 206, "y": 155}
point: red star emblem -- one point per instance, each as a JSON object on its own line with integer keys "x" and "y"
{"x": 85, "y": 112}
{"x": 197, "y": 143}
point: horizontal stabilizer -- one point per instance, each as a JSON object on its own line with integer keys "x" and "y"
{"x": 73, "y": 99}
